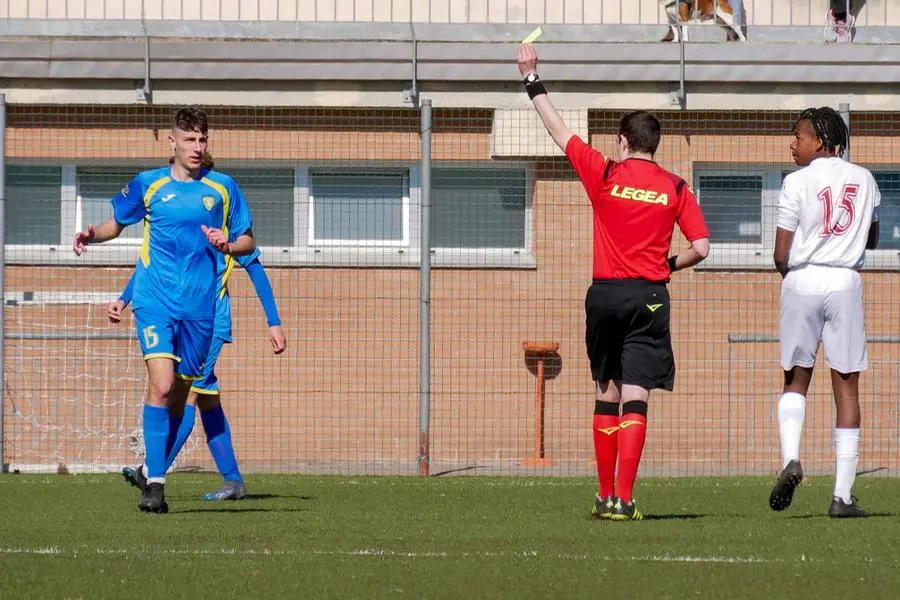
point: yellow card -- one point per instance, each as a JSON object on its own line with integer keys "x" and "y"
{"x": 533, "y": 36}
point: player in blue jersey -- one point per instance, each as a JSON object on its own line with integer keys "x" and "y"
{"x": 190, "y": 215}
{"x": 204, "y": 393}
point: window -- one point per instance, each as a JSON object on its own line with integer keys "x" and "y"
{"x": 359, "y": 207}
{"x": 889, "y": 213}
{"x": 270, "y": 194}
{"x": 33, "y": 204}
{"x": 738, "y": 203}
{"x": 96, "y": 187}
{"x": 322, "y": 214}
{"x": 732, "y": 206}
{"x": 479, "y": 207}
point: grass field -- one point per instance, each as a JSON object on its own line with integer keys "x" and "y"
{"x": 459, "y": 537}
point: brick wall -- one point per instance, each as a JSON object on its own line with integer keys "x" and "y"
{"x": 345, "y": 395}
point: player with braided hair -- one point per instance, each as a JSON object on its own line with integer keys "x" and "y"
{"x": 829, "y": 127}
{"x": 827, "y": 218}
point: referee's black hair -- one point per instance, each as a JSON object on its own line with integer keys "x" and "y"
{"x": 642, "y": 130}
{"x": 829, "y": 126}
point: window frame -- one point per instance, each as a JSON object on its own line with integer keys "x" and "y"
{"x": 70, "y": 177}
{"x": 306, "y": 181}
{"x": 38, "y": 254}
{"x": 738, "y": 256}
{"x": 406, "y": 254}
{"x": 493, "y": 257}
{"x": 882, "y": 259}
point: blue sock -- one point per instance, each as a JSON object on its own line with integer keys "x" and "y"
{"x": 218, "y": 438}
{"x": 182, "y": 435}
{"x": 174, "y": 425}
{"x": 156, "y": 434}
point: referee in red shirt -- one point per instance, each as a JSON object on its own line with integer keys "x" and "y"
{"x": 636, "y": 206}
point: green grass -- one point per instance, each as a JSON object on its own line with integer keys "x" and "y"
{"x": 464, "y": 537}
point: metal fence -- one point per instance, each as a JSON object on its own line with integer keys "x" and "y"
{"x": 580, "y": 12}
{"x": 385, "y": 346}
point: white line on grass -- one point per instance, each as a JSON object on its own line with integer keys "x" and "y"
{"x": 381, "y": 552}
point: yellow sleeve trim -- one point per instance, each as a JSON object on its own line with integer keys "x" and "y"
{"x": 229, "y": 267}
{"x": 145, "y": 245}
{"x": 148, "y": 196}
{"x": 161, "y": 355}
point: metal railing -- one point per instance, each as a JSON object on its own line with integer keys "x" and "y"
{"x": 574, "y": 12}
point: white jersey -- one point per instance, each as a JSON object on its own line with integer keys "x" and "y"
{"x": 830, "y": 206}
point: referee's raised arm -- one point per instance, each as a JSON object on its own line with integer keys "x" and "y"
{"x": 552, "y": 120}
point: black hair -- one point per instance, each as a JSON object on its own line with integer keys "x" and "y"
{"x": 642, "y": 130}
{"x": 829, "y": 126}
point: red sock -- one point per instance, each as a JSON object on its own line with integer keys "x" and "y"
{"x": 632, "y": 432}
{"x": 606, "y": 433}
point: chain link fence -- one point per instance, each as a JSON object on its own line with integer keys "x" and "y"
{"x": 337, "y": 197}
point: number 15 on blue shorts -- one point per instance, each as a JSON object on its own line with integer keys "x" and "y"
{"x": 185, "y": 342}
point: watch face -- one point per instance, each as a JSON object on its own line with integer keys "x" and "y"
{"x": 531, "y": 77}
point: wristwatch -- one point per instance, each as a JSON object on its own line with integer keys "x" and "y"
{"x": 531, "y": 77}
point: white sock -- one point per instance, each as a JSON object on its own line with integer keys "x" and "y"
{"x": 791, "y": 413}
{"x": 846, "y": 449}
{"x": 161, "y": 480}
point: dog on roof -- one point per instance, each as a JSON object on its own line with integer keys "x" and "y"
{"x": 682, "y": 11}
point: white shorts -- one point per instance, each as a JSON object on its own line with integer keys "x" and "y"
{"x": 823, "y": 304}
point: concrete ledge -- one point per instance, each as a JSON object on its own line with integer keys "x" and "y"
{"x": 104, "y": 50}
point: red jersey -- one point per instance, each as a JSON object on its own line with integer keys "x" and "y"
{"x": 636, "y": 206}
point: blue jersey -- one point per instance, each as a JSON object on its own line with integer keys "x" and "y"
{"x": 179, "y": 268}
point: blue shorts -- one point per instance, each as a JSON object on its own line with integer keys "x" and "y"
{"x": 185, "y": 342}
{"x": 208, "y": 382}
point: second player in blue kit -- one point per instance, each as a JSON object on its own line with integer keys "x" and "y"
{"x": 204, "y": 393}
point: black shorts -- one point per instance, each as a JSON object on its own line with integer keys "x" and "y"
{"x": 627, "y": 333}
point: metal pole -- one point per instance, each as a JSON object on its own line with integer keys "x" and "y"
{"x": 844, "y": 109}
{"x": 682, "y": 101}
{"x": 730, "y": 416}
{"x": 425, "y": 291}
{"x": 3, "y": 464}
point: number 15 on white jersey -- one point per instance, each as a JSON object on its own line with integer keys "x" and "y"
{"x": 830, "y": 206}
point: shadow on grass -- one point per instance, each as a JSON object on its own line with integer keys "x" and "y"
{"x": 678, "y": 517}
{"x": 274, "y": 496}
{"x": 876, "y": 515}
{"x": 451, "y": 471}
{"x": 870, "y": 471}
{"x": 186, "y": 497}
{"x": 219, "y": 509}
